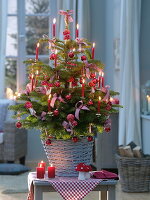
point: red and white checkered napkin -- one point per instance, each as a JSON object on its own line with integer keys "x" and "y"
{"x": 72, "y": 188}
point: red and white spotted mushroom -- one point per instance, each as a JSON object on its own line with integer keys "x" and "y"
{"x": 83, "y": 171}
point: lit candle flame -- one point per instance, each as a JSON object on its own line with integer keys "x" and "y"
{"x": 111, "y": 99}
{"x": 83, "y": 80}
{"x": 102, "y": 74}
{"x": 56, "y": 51}
{"x": 77, "y": 26}
{"x": 148, "y": 97}
{"x": 54, "y": 21}
{"x": 14, "y": 97}
{"x": 51, "y": 165}
{"x": 93, "y": 44}
{"x": 9, "y": 93}
{"x": 37, "y": 72}
{"x": 40, "y": 165}
{"x": 73, "y": 49}
{"x": 99, "y": 98}
{"x": 49, "y": 96}
{"x": 38, "y": 44}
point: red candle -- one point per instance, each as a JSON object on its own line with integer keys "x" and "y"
{"x": 83, "y": 85}
{"x": 77, "y": 31}
{"x": 55, "y": 61}
{"x": 51, "y": 172}
{"x": 49, "y": 102}
{"x": 37, "y": 51}
{"x": 93, "y": 51}
{"x": 42, "y": 164}
{"x": 32, "y": 82}
{"x": 102, "y": 78}
{"x": 99, "y": 80}
{"x": 40, "y": 172}
{"x": 99, "y": 102}
{"x": 54, "y": 27}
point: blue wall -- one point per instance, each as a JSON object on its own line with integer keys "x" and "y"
{"x": 102, "y": 34}
{"x": 98, "y": 27}
{"x": 145, "y": 42}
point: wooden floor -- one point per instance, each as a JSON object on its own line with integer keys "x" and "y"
{"x": 92, "y": 196}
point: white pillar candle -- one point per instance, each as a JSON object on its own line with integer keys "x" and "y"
{"x": 148, "y": 103}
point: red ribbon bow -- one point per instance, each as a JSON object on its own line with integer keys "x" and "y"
{"x": 79, "y": 106}
{"x": 55, "y": 97}
{"x": 67, "y": 14}
{"x": 106, "y": 90}
{"x": 68, "y": 126}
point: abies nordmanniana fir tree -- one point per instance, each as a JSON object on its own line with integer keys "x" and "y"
{"x": 67, "y": 99}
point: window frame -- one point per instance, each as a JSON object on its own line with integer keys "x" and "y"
{"x": 21, "y": 44}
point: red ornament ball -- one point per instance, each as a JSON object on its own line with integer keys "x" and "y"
{"x": 68, "y": 97}
{"x": 75, "y": 83}
{"x": 28, "y": 105}
{"x": 18, "y": 124}
{"x": 44, "y": 83}
{"x": 57, "y": 84}
{"x": 90, "y": 138}
{"x": 116, "y": 100}
{"x": 80, "y": 80}
{"x": 74, "y": 123}
{"x": 50, "y": 84}
{"x": 107, "y": 129}
{"x": 90, "y": 102}
{"x": 95, "y": 80}
{"x": 70, "y": 117}
{"x": 71, "y": 54}
{"x": 92, "y": 75}
{"x": 48, "y": 142}
{"x": 108, "y": 107}
{"x": 109, "y": 103}
{"x": 75, "y": 139}
{"x": 53, "y": 56}
{"x": 91, "y": 84}
{"x": 67, "y": 37}
{"x": 66, "y": 32}
{"x": 83, "y": 58}
{"x": 56, "y": 112}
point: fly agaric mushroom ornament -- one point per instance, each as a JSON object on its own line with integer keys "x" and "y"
{"x": 83, "y": 171}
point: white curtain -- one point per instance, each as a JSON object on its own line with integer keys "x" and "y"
{"x": 129, "y": 116}
{"x": 81, "y": 16}
{"x": 3, "y": 31}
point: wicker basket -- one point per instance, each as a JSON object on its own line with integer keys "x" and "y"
{"x": 134, "y": 173}
{"x": 65, "y": 155}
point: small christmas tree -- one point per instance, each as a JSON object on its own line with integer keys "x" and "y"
{"x": 67, "y": 99}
